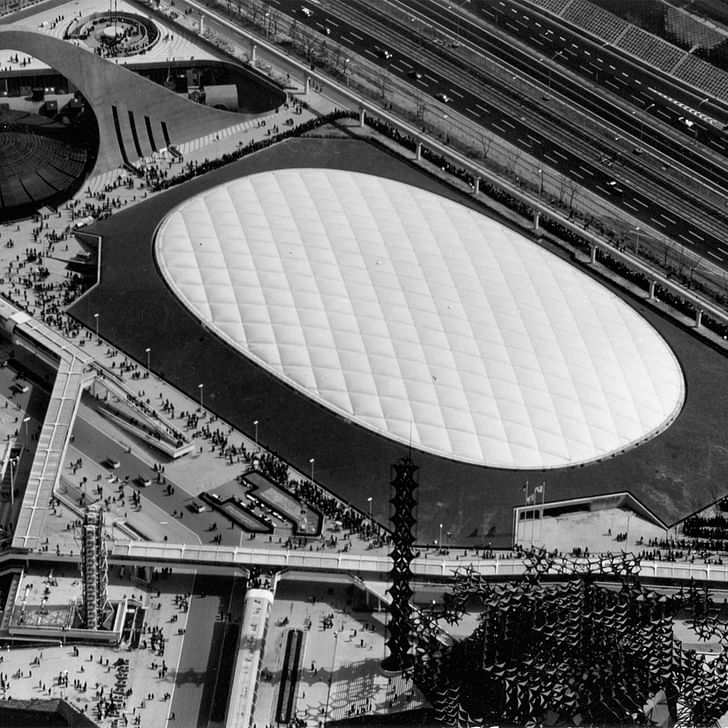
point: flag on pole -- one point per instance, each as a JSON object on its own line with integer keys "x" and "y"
{"x": 540, "y": 489}
{"x": 531, "y": 499}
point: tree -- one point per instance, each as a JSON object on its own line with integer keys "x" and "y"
{"x": 255, "y": 9}
{"x": 572, "y": 187}
{"x": 420, "y": 110}
{"x": 486, "y": 141}
{"x": 273, "y": 22}
{"x": 308, "y": 44}
{"x": 513, "y": 156}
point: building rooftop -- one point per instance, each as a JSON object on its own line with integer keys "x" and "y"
{"x": 420, "y": 319}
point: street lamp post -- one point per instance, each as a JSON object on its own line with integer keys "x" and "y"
{"x": 255, "y": 424}
{"x": 457, "y": 16}
{"x": 439, "y": 541}
{"x": 642, "y": 125}
{"x": 311, "y": 462}
{"x": 26, "y": 420}
{"x": 637, "y": 242}
{"x": 540, "y": 185}
{"x": 96, "y": 320}
{"x": 149, "y": 351}
{"x": 369, "y": 500}
{"x": 626, "y": 535}
{"x": 553, "y": 58}
{"x": 201, "y": 387}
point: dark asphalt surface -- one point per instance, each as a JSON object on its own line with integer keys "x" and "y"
{"x": 98, "y": 447}
{"x": 674, "y": 474}
{"x": 199, "y": 663}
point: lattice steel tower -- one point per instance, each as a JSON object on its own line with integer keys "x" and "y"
{"x": 94, "y": 570}
{"x": 404, "y": 484}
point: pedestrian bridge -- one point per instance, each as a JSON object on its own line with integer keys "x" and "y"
{"x": 368, "y": 566}
{"x": 164, "y": 554}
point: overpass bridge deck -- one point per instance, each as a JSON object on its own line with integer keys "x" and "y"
{"x": 369, "y": 565}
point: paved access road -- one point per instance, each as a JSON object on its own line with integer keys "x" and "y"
{"x": 99, "y": 446}
{"x": 196, "y": 678}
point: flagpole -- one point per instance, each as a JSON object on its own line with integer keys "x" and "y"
{"x": 543, "y": 500}
{"x": 533, "y": 515}
{"x": 525, "y": 488}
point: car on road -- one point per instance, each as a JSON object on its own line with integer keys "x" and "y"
{"x": 689, "y": 124}
{"x": 306, "y": 11}
{"x": 417, "y": 75}
{"x": 444, "y": 98}
{"x": 112, "y": 463}
{"x": 144, "y": 481}
{"x": 384, "y": 53}
{"x": 200, "y": 508}
{"x": 615, "y": 186}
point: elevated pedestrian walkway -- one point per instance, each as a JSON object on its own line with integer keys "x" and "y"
{"x": 75, "y": 371}
{"x": 374, "y": 568}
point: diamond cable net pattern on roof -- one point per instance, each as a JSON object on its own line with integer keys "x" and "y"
{"x": 418, "y": 317}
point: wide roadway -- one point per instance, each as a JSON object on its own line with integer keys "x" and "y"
{"x": 634, "y": 200}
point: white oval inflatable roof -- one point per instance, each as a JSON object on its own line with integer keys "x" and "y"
{"x": 420, "y": 319}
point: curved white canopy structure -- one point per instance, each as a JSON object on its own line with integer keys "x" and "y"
{"x": 420, "y": 319}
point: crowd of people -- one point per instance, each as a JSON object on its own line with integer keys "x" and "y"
{"x": 162, "y": 180}
{"x": 713, "y": 528}
{"x": 689, "y": 545}
{"x": 336, "y": 510}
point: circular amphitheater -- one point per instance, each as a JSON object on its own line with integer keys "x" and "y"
{"x": 420, "y": 319}
{"x": 39, "y": 165}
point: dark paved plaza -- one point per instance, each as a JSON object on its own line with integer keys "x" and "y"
{"x": 674, "y": 474}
